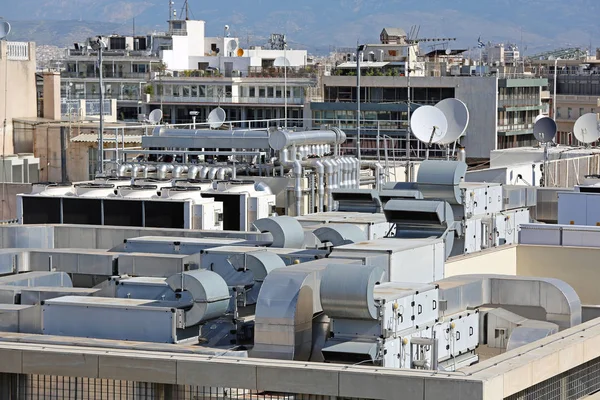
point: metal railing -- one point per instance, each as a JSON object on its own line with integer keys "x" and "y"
{"x": 17, "y": 51}
{"x": 227, "y": 100}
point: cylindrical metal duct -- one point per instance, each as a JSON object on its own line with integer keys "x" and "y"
{"x": 193, "y": 171}
{"x": 163, "y": 170}
{"x": 281, "y": 139}
{"x": 329, "y": 172}
{"x": 298, "y": 186}
{"x": 320, "y": 170}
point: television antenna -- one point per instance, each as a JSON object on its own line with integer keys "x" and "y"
{"x": 4, "y": 29}
{"x": 216, "y": 118}
{"x": 457, "y": 116}
{"x": 155, "y": 116}
{"x": 429, "y": 125}
{"x": 586, "y": 129}
{"x": 544, "y": 131}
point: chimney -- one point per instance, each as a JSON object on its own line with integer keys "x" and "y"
{"x": 52, "y": 96}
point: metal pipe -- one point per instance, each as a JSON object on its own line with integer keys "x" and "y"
{"x": 223, "y": 172}
{"x": 212, "y": 173}
{"x": 329, "y": 172}
{"x": 320, "y": 170}
{"x": 135, "y": 169}
{"x": 281, "y": 139}
{"x": 124, "y": 169}
{"x": 193, "y": 171}
{"x": 203, "y": 172}
{"x": 178, "y": 171}
{"x": 297, "y": 168}
{"x": 163, "y": 170}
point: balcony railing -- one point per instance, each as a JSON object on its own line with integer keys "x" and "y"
{"x": 107, "y": 74}
{"x": 228, "y": 100}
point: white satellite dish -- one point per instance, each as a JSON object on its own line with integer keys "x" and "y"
{"x": 586, "y": 128}
{"x": 544, "y": 129}
{"x": 448, "y": 52}
{"x": 457, "y": 117}
{"x": 155, "y": 116}
{"x": 216, "y": 118}
{"x": 429, "y": 124}
{"x": 232, "y": 46}
{"x": 4, "y": 29}
{"x": 281, "y": 62}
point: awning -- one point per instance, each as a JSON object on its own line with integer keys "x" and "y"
{"x": 93, "y": 138}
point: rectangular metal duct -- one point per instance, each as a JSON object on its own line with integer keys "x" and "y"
{"x": 156, "y": 265}
{"x": 357, "y": 200}
{"x": 74, "y": 261}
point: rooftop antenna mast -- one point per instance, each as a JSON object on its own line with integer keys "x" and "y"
{"x": 171, "y": 4}
{"x": 186, "y": 8}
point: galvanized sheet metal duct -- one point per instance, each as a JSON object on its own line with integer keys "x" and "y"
{"x": 441, "y": 179}
{"x": 189, "y": 138}
{"x": 340, "y": 234}
{"x": 560, "y": 301}
{"x": 347, "y": 291}
{"x": 209, "y": 291}
{"x": 261, "y": 263}
{"x": 288, "y": 301}
{"x": 287, "y": 231}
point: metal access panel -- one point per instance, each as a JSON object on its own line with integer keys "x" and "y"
{"x": 149, "y": 289}
{"x": 156, "y": 265}
{"x": 580, "y": 236}
{"x": 426, "y": 306}
{"x": 462, "y": 338}
{"x": 472, "y": 236}
{"x": 572, "y": 208}
{"x": 74, "y": 261}
{"x": 482, "y": 198}
{"x": 114, "y": 319}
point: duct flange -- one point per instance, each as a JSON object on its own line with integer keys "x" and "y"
{"x": 208, "y": 290}
{"x": 260, "y": 263}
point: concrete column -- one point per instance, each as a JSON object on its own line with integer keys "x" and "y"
{"x": 52, "y": 95}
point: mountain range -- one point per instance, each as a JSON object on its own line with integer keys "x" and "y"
{"x": 320, "y": 25}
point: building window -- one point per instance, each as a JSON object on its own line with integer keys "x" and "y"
{"x": 252, "y": 91}
{"x": 569, "y": 113}
{"x": 270, "y": 91}
{"x": 558, "y": 112}
{"x": 262, "y": 92}
{"x": 581, "y": 112}
{"x": 194, "y": 91}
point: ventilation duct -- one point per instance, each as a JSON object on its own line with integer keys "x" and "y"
{"x": 340, "y": 234}
{"x": 558, "y": 299}
{"x": 287, "y": 231}
{"x": 356, "y": 200}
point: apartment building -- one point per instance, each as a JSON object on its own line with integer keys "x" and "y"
{"x": 18, "y": 95}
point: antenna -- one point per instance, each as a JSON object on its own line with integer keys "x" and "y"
{"x": 544, "y": 129}
{"x": 586, "y": 128}
{"x": 4, "y": 29}
{"x": 429, "y": 125}
{"x": 216, "y": 118}
{"x": 155, "y": 116}
{"x": 457, "y": 117}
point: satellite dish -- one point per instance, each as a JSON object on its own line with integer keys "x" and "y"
{"x": 240, "y": 52}
{"x": 281, "y": 62}
{"x": 4, "y": 29}
{"x": 539, "y": 117}
{"x": 544, "y": 129}
{"x": 457, "y": 117}
{"x": 429, "y": 124}
{"x": 448, "y": 52}
{"x": 216, "y": 118}
{"x": 155, "y": 116}
{"x": 232, "y": 46}
{"x": 586, "y": 128}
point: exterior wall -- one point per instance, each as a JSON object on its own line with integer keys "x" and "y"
{"x": 576, "y": 266}
{"x": 18, "y": 95}
{"x": 568, "y": 109}
{"x": 9, "y": 199}
{"x": 195, "y": 37}
{"x": 500, "y": 261}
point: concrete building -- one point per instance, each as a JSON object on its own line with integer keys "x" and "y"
{"x": 17, "y": 87}
{"x": 502, "y": 109}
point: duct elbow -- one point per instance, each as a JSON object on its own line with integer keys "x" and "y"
{"x": 193, "y": 171}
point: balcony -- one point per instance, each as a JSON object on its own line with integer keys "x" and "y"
{"x": 142, "y": 76}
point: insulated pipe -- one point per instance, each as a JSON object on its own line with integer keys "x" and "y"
{"x": 163, "y": 170}
{"x": 281, "y": 139}
{"x": 239, "y": 138}
{"x": 193, "y": 171}
{"x": 178, "y": 171}
{"x": 212, "y": 173}
{"x": 147, "y": 169}
{"x": 320, "y": 169}
{"x": 329, "y": 172}
{"x": 223, "y": 172}
{"x": 297, "y": 168}
{"x": 124, "y": 169}
{"x": 135, "y": 169}
{"x": 203, "y": 172}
